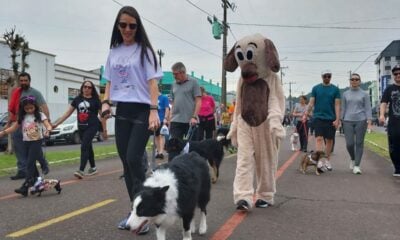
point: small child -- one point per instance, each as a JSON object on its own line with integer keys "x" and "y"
{"x": 32, "y": 121}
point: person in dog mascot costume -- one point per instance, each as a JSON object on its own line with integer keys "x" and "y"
{"x": 256, "y": 128}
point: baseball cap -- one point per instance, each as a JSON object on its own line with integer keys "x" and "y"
{"x": 326, "y": 71}
{"x": 397, "y": 67}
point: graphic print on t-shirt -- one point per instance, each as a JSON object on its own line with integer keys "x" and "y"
{"x": 31, "y": 130}
{"x": 83, "y": 111}
{"x": 396, "y": 103}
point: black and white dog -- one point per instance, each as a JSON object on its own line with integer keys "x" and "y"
{"x": 172, "y": 192}
{"x": 210, "y": 149}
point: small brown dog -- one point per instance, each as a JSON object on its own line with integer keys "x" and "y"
{"x": 311, "y": 159}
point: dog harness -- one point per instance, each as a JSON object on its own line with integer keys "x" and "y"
{"x": 311, "y": 160}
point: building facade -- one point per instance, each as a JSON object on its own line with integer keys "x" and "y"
{"x": 386, "y": 60}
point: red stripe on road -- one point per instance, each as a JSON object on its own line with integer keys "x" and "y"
{"x": 14, "y": 195}
{"x": 231, "y": 224}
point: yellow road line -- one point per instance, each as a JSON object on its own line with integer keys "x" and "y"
{"x": 28, "y": 230}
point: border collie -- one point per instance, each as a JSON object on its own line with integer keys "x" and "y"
{"x": 210, "y": 149}
{"x": 172, "y": 192}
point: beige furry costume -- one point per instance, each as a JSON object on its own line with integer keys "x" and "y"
{"x": 257, "y": 121}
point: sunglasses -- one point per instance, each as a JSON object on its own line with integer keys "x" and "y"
{"x": 123, "y": 25}
{"x": 327, "y": 76}
{"x": 354, "y": 79}
{"x": 396, "y": 73}
{"x": 87, "y": 87}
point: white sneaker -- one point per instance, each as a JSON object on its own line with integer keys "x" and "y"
{"x": 351, "y": 164}
{"x": 328, "y": 165}
{"x": 320, "y": 165}
{"x": 356, "y": 170}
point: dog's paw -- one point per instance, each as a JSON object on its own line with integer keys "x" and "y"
{"x": 192, "y": 226}
{"x": 203, "y": 224}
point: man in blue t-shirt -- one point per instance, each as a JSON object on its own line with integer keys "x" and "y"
{"x": 325, "y": 99}
{"x": 163, "y": 114}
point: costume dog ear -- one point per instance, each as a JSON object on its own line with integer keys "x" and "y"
{"x": 271, "y": 55}
{"x": 230, "y": 63}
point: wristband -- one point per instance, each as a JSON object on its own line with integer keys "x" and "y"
{"x": 153, "y": 107}
{"x": 195, "y": 117}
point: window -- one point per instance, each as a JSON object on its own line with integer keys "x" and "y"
{"x": 387, "y": 58}
{"x": 4, "y": 76}
{"x": 388, "y": 67}
{"x": 72, "y": 93}
{"x": 397, "y": 58}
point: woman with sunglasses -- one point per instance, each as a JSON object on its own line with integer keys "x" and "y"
{"x": 88, "y": 106}
{"x": 132, "y": 72}
{"x": 356, "y": 117}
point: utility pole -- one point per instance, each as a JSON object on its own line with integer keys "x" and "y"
{"x": 282, "y": 74}
{"x": 290, "y": 95}
{"x": 225, "y": 4}
{"x": 160, "y": 55}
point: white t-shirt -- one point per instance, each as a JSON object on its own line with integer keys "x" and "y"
{"x": 128, "y": 78}
{"x": 31, "y": 130}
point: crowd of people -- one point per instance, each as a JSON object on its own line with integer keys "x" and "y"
{"x": 133, "y": 75}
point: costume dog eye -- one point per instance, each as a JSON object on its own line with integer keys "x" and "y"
{"x": 250, "y": 53}
{"x": 239, "y": 54}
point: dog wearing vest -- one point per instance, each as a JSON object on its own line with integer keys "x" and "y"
{"x": 172, "y": 192}
{"x": 42, "y": 185}
{"x": 294, "y": 141}
{"x": 256, "y": 128}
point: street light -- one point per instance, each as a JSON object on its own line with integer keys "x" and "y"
{"x": 363, "y": 62}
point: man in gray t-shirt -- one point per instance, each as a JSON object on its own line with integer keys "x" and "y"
{"x": 186, "y": 101}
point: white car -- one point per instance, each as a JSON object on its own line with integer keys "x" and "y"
{"x": 68, "y": 132}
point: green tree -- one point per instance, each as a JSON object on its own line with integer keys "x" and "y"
{"x": 19, "y": 47}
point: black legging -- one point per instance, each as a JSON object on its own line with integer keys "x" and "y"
{"x": 394, "y": 146}
{"x": 302, "y": 130}
{"x": 86, "y": 137}
{"x": 131, "y": 136}
{"x": 207, "y": 126}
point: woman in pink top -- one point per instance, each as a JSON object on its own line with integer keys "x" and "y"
{"x": 206, "y": 116}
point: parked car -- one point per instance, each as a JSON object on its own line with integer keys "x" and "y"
{"x": 68, "y": 132}
{"x": 3, "y": 122}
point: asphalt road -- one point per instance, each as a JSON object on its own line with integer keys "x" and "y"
{"x": 335, "y": 205}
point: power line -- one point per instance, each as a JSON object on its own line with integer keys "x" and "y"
{"x": 315, "y": 27}
{"x": 194, "y": 5}
{"x": 173, "y": 34}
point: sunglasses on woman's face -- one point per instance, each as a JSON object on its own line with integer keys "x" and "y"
{"x": 123, "y": 25}
{"x": 87, "y": 87}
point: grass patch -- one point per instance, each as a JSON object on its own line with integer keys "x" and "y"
{"x": 378, "y": 143}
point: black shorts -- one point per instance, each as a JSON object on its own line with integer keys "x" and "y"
{"x": 324, "y": 128}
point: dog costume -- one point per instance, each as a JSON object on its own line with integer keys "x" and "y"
{"x": 256, "y": 128}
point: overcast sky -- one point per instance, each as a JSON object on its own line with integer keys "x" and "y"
{"x": 78, "y": 32}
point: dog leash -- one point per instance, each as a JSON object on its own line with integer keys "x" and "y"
{"x": 153, "y": 163}
{"x": 190, "y": 132}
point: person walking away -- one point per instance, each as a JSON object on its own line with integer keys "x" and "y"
{"x": 163, "y": 113}
{"x": 186, "y": 102}
{"x": 88, "y": 107}
{"x": 356, "y": 117}
{"x": 391, "y": 99}
{"x": 301, "y": 127}
{"x": 206, "y": 116}
{"x": 325, "y": 100}
{"x": 132, "y": 74}
{"x": 35, "y": 126}
{"x": 21, "y": 154}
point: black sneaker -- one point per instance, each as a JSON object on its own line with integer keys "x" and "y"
{"x": 45, "y": 170}
{"x": 242, "y": 205}
{"x": 261, "y": 203}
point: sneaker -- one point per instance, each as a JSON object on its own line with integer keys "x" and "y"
{"x": 92, "y": 171}
{"x": 261, "y": 203}
{"x": 122, "y": 225}
{"x": 351, "y": 164}
{"x": 396, "y": 174}
{"x": 356, "y": 170}
{"x": 242, "y": 205}
{"x": 19, "y": 175}
{"x": 328, "y": 165}
{"x": 320, "y": 166}
{"x": 79, "y": 174}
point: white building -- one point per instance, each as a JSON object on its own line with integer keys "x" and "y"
{"x": 58, "y": 84}
{"x": 386, "y": 60}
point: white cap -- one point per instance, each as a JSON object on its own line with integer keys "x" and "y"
{"x": 326, "y": 71}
